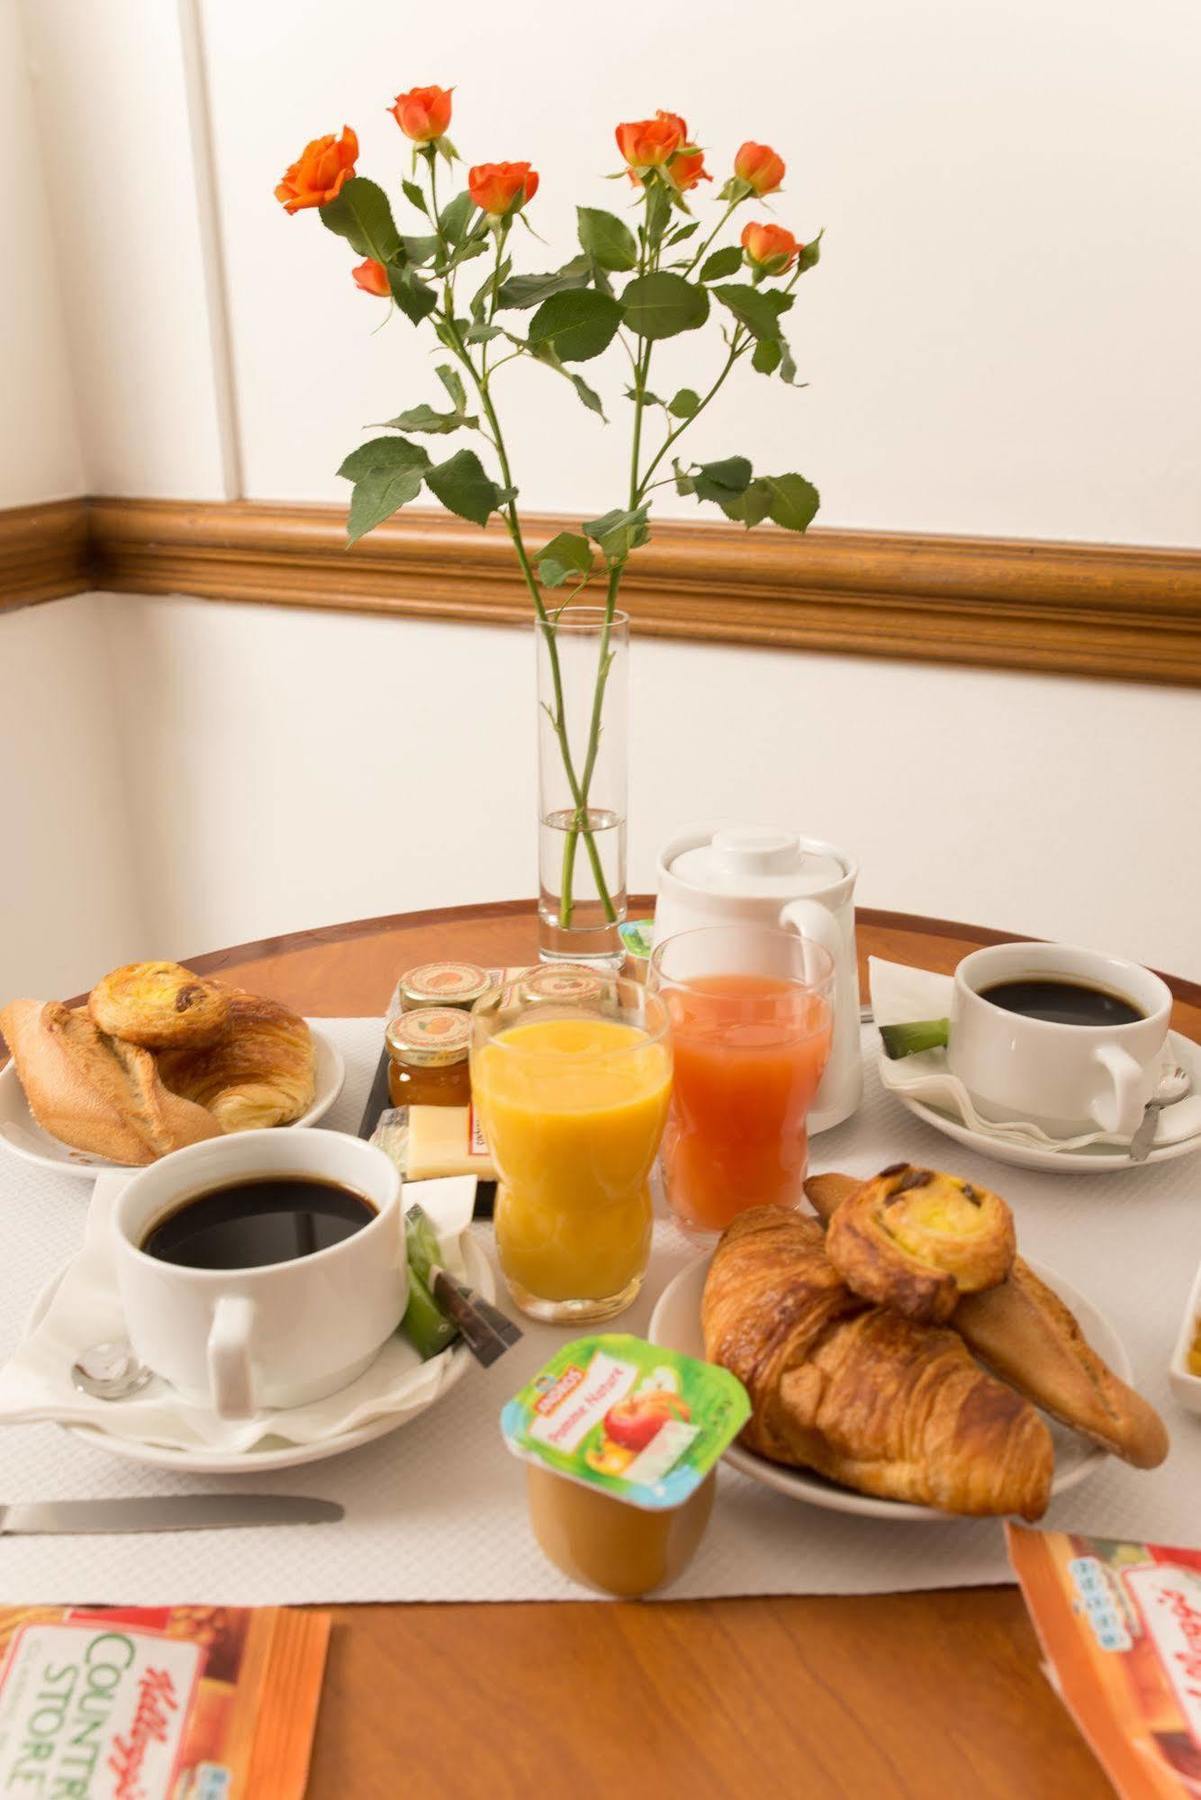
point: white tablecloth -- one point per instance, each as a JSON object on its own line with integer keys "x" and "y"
{"x": 437, "y": 1511}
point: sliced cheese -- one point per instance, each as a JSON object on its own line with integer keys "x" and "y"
{"x": 446, "y": 1140}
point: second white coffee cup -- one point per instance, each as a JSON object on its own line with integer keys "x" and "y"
{"x": 283, "y": 1334}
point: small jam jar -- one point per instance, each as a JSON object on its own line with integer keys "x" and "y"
{"x": 566, "y": 983}
{"x": 427, "y": 1057}
{"x": 457, "y": 984}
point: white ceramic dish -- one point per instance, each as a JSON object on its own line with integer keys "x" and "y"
{"x": 1185, "y": 1386}
{"x": 676, "y": 1324}
{"x": 279, "y": 1453}
{"x": 21, "y": 1135}
{"x": 1094, "y": 1159}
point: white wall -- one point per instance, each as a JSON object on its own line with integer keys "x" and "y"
{"x": 1000, "y": 339}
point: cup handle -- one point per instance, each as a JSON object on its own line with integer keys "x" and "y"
{"x": 231, "y": 1377}
{"x": 1121, "y": 1109}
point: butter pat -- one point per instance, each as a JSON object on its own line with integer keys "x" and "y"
{"x": 427, "y": 1142}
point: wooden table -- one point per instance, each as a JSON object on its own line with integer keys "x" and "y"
{"x": 894, "y": 1694}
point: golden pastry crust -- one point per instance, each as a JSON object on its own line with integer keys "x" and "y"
{"x": 262, "y": 1072}
{"x": 917, "y": 1241}
{"x": 96, "y": 1092}
{"x": 160, "y": 1005}
{"x": 857, "y": 1392}
{"x": 1033, "y": 1341}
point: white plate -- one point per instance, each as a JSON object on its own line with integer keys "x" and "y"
{"x": 1094, "y": 1159}
{"x": 676, "y": 1324}
{"x": 21, "y": 1134}
{"x": 278, "y": 1453}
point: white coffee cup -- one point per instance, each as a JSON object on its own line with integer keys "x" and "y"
{"x": 1069, "y": 1079}
{"x": 283, "y": 1334}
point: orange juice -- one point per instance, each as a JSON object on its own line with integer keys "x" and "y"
{"x": 573, "y": 1111}
{"x": 749, "y": 1053}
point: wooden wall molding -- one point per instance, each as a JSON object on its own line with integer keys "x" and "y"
{"x": 44, "y": 552}
{"x": 1080, "y": 609}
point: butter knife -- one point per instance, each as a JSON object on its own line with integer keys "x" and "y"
{"x": 165, "y": 1512}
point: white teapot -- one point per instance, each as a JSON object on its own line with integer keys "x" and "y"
{"x": 756, "y": 875}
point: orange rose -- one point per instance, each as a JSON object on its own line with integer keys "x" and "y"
{"x": 687, "y": 167}
{"x": 495, "y": 186}
{"x": 649, "y": 143}
{"x": 372, "y": 277}
{"x": 769, "y": 248}
{"x": 760, "y": 168}
{"x": 321, "y": 174}
{"x": 423, "y": 114}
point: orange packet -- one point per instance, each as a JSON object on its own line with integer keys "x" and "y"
{"x": 152, "y": 1703}
{"x": 1120, "y": 1628}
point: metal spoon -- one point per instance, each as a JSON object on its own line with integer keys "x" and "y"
{"x": 110, "y": 1371}
{"x": 1173, "y": 1084}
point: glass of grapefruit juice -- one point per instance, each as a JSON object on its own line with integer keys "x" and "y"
{"x": 572, "y": 1099}
{"x": 751, "y": 1011}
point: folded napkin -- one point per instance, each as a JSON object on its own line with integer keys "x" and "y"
{"x": 85, "y": 1309}
{"x": 901, "y": 995}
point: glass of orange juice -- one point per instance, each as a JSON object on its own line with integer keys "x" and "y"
{"x": 572, "y": 1096}
{"x": 751, "y": 1015}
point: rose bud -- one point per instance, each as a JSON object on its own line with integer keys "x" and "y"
{"x": 496, "y": 186}
{"x": 372, "y": 277}
{"x": 321, "y": 173}
{"x": 769, "y": 248}
{"x": 423, "y": 114}
{"x": 687, "y": 167}
{"x": 650, "y": 143}
{"x": 760, "y": 168}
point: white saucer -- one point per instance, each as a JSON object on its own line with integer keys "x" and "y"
{"x": 278, "y": 1452}
{"x": 22, "y": 1136}
{"x": 676, "y": 1324}
{"x": 1094, "y": 1159}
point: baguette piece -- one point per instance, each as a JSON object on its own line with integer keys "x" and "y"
{"x": 1032, "y": 1340}
{"x": 96, "y": 1092}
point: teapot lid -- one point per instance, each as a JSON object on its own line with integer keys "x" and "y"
{"x": 750, "y": 860}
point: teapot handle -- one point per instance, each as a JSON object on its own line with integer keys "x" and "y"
{"x": 812, "y": 920}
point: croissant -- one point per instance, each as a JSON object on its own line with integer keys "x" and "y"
{"x": 96, "y": 1092}
{"x": 261, "y": 1073}
{"x": 857, "y": 1392}
{"x": 917, "y": 1241}
{"x": 160, "y": 1005}
{"x": 1026, "y": 1333}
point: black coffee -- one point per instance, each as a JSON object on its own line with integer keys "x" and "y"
{"x": 1062, "y": 1002}
{"x": 248, "y": 1224}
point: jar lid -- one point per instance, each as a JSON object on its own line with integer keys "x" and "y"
{"x": 563, "y": 982}
{"x": 746, "y": 861}
{"x": 444, "y": 984}
{"x": 430, "y": 1037}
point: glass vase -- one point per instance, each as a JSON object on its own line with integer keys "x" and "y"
{"x": 583, "y": 679}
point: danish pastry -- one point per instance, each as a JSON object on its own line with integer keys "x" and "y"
{"x": 160, "y": 1005}
{"x": 261, "y": 1072}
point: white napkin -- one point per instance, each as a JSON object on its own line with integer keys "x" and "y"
{"x": 36, "y": 1384}
{"x": 901, "y": 995}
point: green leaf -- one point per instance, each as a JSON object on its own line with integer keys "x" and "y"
{"x": 662, "y": 305}
{"x": 752, "y": 506}
{"x": 722, "y": 262}
{"x": 658, "y": 210}
{"x": 767, "y": 354}
{"x": 756, "y": 308}
{"x": 648, "y": 399}
{"x": 545, "y": 353}
{"x": 454, "y": 217}
{"x": 377, "y": 496}
{"x": 532, "y": 290}
{"x": 362, "y": 216}
{"x": 619, "y": 532}
{"x": 463, "y": 486}
{"x": 415, "y": 197}
{"x": 419, "y": 250}
{"x": 685, "y": 404}
{"x": 788, "y": 367}
{"x": 424, "y": 418}
{"x": 724, "y": 480}
{"x": 684, "y": 482}
{"x": 589, "y": 396}
{"x": 684, "y": 231}
{"x": 579, "y": 324}
{"x": 414, "y": 297}
{"x": 567, "y": 557}
{"x": 384, "y": 453}
{"x": 482, "y": 334}
{"x": 606, "y": 239}
{"x": 794, "y": 501}
{"x": 453, "y": 383}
